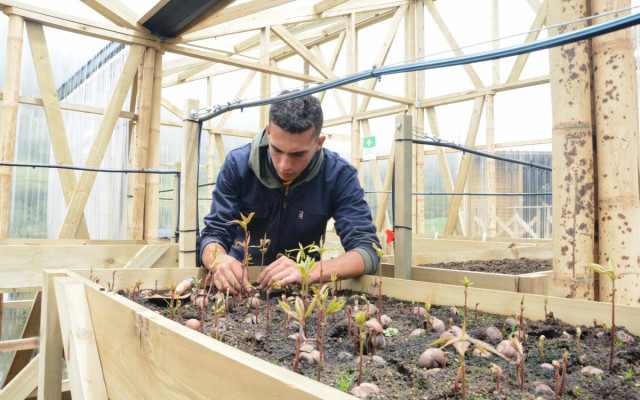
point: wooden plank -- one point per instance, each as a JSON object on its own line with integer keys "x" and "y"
{"x": 144, "y": 338}
{"x": 234, "y": 12}
{"x": 53, "y": 113}
{"x": 23, "y": 384}
{"x": 465, "y": 165}
{"x": 468, "y": 68}
{"x": 80, "y": 347}
{"x": 36, "y": 101}
{"x": 453, "y": 277}
{"x": 325, "y": 5}
{"x": 208, "y": 55}
{"x": 80, "y": 26}
{"x": 574, "y": 312}
{"x": 383, "y": 51}
{"x": 19, "y": 344}
{"x": 31, "y": 328}
{"x": 116, "y": 12}
{"x": 101, "y": 141}
{"x": 9, "y": 116}
{"x": 65, "y": 391}
{"x": 534, "y": 32}
{"x": 265, "y": 79}
{"x": 22, "y": 266}
{"x": 537, "y": 283}
{"x": 189, "y": 189}
{"x": 147, "y": 256}
{"x": 50, "y": 376}
{"x": 154, "y": 278}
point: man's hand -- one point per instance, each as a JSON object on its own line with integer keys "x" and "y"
{"x": 284, "y": 270}
{"x": 227, "y": 272}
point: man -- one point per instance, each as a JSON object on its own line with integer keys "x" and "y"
{"x": 294, "y": 186}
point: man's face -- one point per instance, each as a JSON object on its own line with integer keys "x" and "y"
{"x": 291, "y": 152}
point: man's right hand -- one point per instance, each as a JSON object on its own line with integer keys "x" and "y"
{"x": 227, "y": 271}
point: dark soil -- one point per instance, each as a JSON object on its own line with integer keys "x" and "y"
{"x": 395, "y": 369}
{"x": 506, "y": 266}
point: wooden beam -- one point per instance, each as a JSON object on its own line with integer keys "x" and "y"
{"x": 78, "y": 338}
{"x": 383, "y": 51}
{"x": 325, "y": 5}
{"x": 19, "y": 344}
{"x": 116, "y": 12}
{"x": 445, "y": 173}
{"x": 189, "y": 189}
{"x": 21, "y": 266}
{"x": 458, "y": 97}
{"x": 50, "y": 376}
{"x": 141, "y": 149}
{"x": 147, "y": 256}
{"x": 207, "y": 55}
{"x": 465, "y": 165}
{"x": 36, "y": 101}
{"x": 9, "y": 116}
{"x": 152, "y": 182}
{"x": 23, "y": 383}
{"x": 103, "y": 136}
{"x": 534, "y": 32}
{"x": 78, "y": 25}
{"x": 468, "y": 68}
{"x": 53, "y": 113}
{"x": 234, "y": 12}
{"x": 265, "y": 79}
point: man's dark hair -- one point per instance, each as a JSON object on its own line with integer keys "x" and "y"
{"x": 298, "y": 115}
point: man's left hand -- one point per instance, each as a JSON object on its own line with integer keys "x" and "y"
{"x": 283, "y": 270}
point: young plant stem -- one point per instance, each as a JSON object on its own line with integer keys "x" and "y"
{"x": 361, "y": 353}
{"x": 268, "y": 294}
{"x": 557, "y": 391}
{"x": 564, "y": 373}
{"x": 321, "y": 348}
{"x": 613, "y": 326}
{"x": 297, "y": 357}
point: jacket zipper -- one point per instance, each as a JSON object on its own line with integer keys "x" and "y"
{"x": 285, "y": 195}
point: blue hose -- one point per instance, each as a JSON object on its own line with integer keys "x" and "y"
{"x": 376, "y": 72}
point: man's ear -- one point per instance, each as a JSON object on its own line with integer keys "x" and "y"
{"x": 266, "y": 128}
{"x": 321, "y": 140}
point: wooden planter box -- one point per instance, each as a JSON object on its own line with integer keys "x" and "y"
{"x": 118, "y": 349}
{"x": 531, "y": 283}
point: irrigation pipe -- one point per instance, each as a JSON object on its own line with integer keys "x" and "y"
{"x": 208, "y": 113}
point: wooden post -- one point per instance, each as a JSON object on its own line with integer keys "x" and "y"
{"x": 402, "y": 197}
{"x": 572, "y": 161}
{"x": 141, "y": 150}
{"x": 189, "y": 188}
{"x": 410, "y": 92}
{"x": 50, "y": 375}
{"x": 419, "y": 113}
{"x": 490, "y": 126}
{"x": 616, "y": 109}
{"x": 265, "y": 78}
{"x": 152, "y": 183}
{"x": 9, "y": 116}
{"x": 175, "y": 205}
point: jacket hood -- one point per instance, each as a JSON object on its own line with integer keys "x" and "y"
{"x": 260, "y": 164}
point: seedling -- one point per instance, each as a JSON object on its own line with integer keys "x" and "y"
{"x": 380, "y": 254}
{"x": 320, "y": 249}
{"x": 300, "y": 314}
{"x": 244, "y": 222}
{"x": 136, "y": 290}
{"x": 323, "y": 312}
{"x": 541, "y": 342}
{"x": 495, "y": 368}
{"x": 218, "y": 309}
{"x": 610, "y": 271}
{"x": 276, "y": 286}
{"x": 345, "y": 379}
{"x": 628, "y": 374}
{"x": 360, "y": 321}
{"x": 263, "y": 247}
{"x": 578, "y": 333}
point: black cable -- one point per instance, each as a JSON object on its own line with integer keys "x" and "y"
{"x": 476, "y": 152}
{"x": 121, "y": 171}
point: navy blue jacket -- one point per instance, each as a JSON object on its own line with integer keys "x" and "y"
{"x": 328, "y": 188}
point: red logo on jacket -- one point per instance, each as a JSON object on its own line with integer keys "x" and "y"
{"x": 300, "y": 215}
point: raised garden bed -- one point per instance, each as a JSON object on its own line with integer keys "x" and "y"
{"x": 143, "y": 354}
